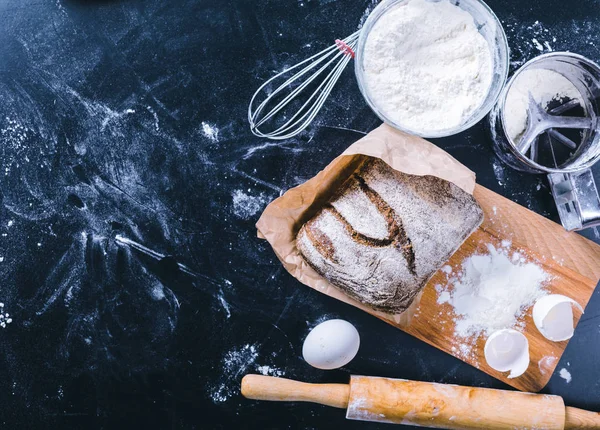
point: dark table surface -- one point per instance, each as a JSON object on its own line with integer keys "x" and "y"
{"x": 129, "y": 117}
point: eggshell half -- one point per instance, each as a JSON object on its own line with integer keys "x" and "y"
{"x": 553, "y": 316}
{"x": 331, "y": 344}
{"x": 507, "y": 350}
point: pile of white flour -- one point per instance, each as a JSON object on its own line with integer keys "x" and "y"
{"x": 426, "y": 65}
{"x": 492, "y": 291}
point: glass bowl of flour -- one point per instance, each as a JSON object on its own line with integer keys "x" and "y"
{"x": 431, "y": 68}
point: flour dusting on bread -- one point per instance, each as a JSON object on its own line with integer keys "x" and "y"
{"x": 385, "y": 233}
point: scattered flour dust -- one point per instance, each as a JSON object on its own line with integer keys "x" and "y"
{"x": 14, "y": 134}
{"x": 224, "y": 304}
{"x": 466, "y": 351}
{"x": 210, "y": 131}
{"x": 114, "y": 115}
{"x": 270, "y": 371}
{"x": 527, "y": 41}
{"x": 237, "y": 363}
{"x": 245, "y": 205}
{"x": 492, "y": 291}
{"x": 565, "y": 374}
{"x": 546, "y": 363}
{"x": 5, "y": 318}
{"x": 500, "y": 175}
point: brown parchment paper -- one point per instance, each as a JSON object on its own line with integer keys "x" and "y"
{"x": 282, "y": 218}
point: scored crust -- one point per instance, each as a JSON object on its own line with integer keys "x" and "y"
{"x": 384, "y": 233}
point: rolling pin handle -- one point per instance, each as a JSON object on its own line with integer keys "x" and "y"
{"x": 259, "y": 387}
{"x": 580, "y": 419}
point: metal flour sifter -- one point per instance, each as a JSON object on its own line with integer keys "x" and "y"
{"x": 561, "y": 139}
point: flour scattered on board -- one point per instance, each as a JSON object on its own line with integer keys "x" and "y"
{"x": 546, "y": 364}
{"x": 565, "y": 374}
{"x": 246, "y": 205}
{"x": 492, "y": 290}
{"x": 210, "y": 131}
{"x": 235, "y": 364}
{"x": 466, "y": 351}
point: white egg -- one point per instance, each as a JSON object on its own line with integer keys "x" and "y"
{"x": 331, "y": 344}
{"x": 507, "y": 350}
{"x": 553, "y": 316}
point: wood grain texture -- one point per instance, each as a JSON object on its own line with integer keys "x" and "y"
{"x": 426, "y": 404}
{"x": 547, "y": 238}
{"x": 572, "y": 260}
{"x": 580, "y": 419}
{"x": 260, "y": 387}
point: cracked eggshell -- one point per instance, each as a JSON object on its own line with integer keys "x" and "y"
{"x": 553, "y": 316}
{"x": 507, "y": 350}
{"x": 331, "y": 344}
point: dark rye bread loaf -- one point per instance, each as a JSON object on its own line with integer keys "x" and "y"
{"x": 385, "y": 233}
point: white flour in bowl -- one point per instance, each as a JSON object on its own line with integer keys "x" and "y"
{"x": 427, "y": 67}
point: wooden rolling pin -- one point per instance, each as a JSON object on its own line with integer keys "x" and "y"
{"x": 427, "y": 404}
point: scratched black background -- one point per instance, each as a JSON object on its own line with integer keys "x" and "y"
{"x": 128, "y": 118}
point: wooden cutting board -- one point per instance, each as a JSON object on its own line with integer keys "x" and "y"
{"x": 572, "y": 260}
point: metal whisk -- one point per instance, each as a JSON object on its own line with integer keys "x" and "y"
{"x": 330, "y": 61}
